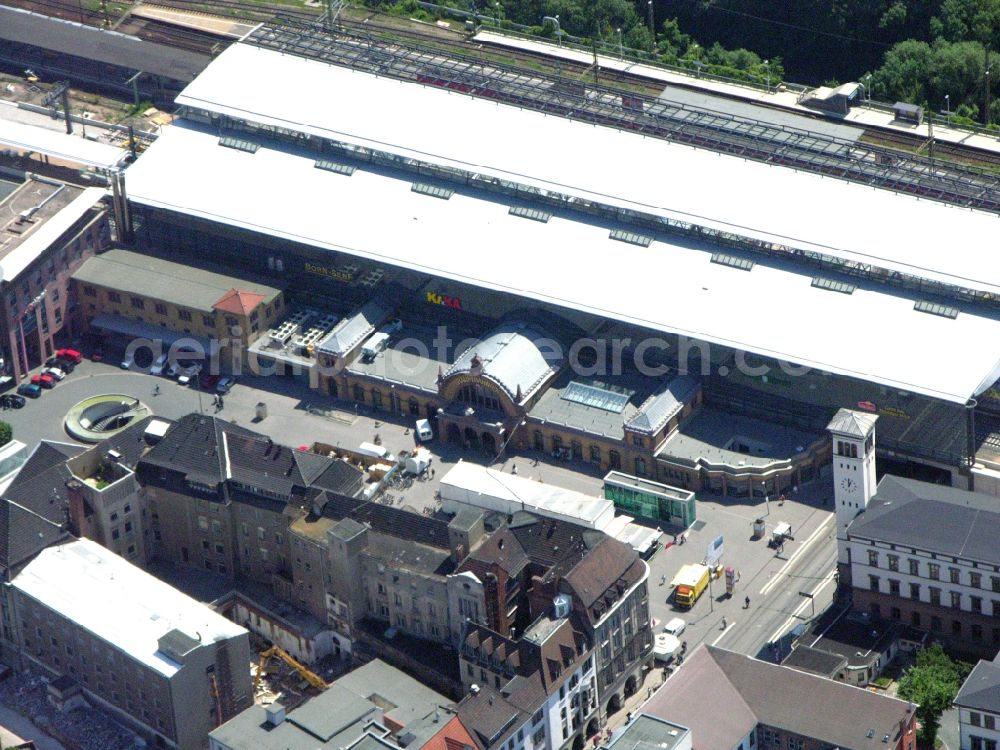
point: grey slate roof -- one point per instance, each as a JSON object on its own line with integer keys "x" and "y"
{"x": 660, "y": 407}
{"x": 815, "y": 660}
{"x": 149, "y": 276}
{"x": 932, "y": 517}
{"x": 981, "y": 689}
{"x": 111, "y": 47}
{"x": 853, "y": 423}
{"x": 193, "y": 447}
{"x": 351, "y": 331}
{"x": 490, "y": 717}
{"x": 509, "y": 357}
{"x": 754, "y": 691}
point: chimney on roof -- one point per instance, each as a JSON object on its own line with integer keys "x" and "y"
{"x": 79, "y": 523}
{"x": 275, "y": 714}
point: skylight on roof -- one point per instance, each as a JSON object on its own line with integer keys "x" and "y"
{"x": 834, "y": 286}
{"x": 744, "y": 264}
{"x": 432, "y": 190}
{"x": 623, "y": 235}
{"x": 240, "y": 144}
{"x": 936, "y": 308}
{"x": 591, "y": 395}
{"x": 530, "y": 213}
{"x": 331, "y": 166}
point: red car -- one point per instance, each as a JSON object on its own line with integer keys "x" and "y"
{"x": 71, "y": 354}
{"x": 45, "y": 381}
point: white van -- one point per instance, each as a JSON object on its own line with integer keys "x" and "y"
{"x": 375, "y": 451}
{"x": 371, "y": 348}
{"x": 424, "y": 430}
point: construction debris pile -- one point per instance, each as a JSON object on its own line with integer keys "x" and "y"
{"x": 84, "y": 728}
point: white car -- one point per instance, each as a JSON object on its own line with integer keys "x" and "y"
{"x": 675, "y": 627}
{"x": 54, "y": 372}
{"x": 186, "y": 376}
{"x": 158, "y": 365}
{"x": 127, "y": 363}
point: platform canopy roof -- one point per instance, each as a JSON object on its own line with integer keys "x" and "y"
{"x": 849, "y": 221}
{"x": 874, "y": 333}
{"x": 59, "y": 145}
{"x": 99, "y": 45}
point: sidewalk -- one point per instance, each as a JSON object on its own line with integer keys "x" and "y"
{"x": 631, "y": 705}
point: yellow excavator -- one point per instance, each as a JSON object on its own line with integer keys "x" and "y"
{"x": 311, "y": 677}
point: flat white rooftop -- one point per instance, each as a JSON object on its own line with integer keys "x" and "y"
{"x": 71, "y": 148}
{"x": 118, "y": 602}
{"x": 772, "y": 310}
{"x": 28, "y": 251}
{"x": 483, "y": 487}
{"x": 617, "y": 167}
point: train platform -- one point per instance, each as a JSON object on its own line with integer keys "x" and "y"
{"x": 780, "y": 97}
{"x": 192, "y": 19}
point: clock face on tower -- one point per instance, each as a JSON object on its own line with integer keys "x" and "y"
{"x": 849, "y": 485}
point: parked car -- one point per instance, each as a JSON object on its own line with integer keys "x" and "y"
{"x": 12, "y": 401}
{"x": 43, "y": 381}
{"x": 128, "y": 362}
{"x": 675, "y": 627}
{"x": 225, "y": 385}
{"x": 157, "y": 367}
{"x": 97, "y": 355}
{"x": 55, "y": 372}
{"x": 30, "y": 390}
{"x": 188, "y": 374}
{"x": 209, "y": 381}
{"x": 71, "y": 354}
{"x": 66, "y": 365}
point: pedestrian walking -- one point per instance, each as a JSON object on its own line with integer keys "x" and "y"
{"x": 663, "y": 580}
{"x": 723, "y": 623}
{"x": 513, "y": 468}
{"x": 747, "y": 603}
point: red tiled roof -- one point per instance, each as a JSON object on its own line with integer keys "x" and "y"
{"x": 452, "y": 736}
{"x": 238, "y": 302}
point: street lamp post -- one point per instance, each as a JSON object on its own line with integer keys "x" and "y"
{"x": 868, "y": 89}
{"x": 652, "y": 26}
{"x": 767, "y": 75}
{"x": 497, "y": 7}
{"x": 947, "y": 106}
{"x": 510, "y": 437}
{"x": 767, "y": 504}
{"x": 986, "y": 107}
{"x": 621, "y": 50}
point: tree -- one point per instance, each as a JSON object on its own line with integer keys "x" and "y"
{"x": 932, "y": 683}
{"x": 6, "y": 433}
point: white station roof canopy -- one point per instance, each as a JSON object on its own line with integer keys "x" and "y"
{"x": 58, "y": 145}
{"x": 851, "y": 221}
{"x": 673, "y": 286}
{"x": 772, "y": 310}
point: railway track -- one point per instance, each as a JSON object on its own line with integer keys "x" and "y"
{"x": 445, "y": 41}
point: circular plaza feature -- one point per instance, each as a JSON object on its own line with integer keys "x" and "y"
{"x": 100, "y": 417}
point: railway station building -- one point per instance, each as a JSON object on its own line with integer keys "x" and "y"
{"x": 770, "y": 311}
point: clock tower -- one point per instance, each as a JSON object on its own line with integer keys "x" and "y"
{"x": 853, "y": 437}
